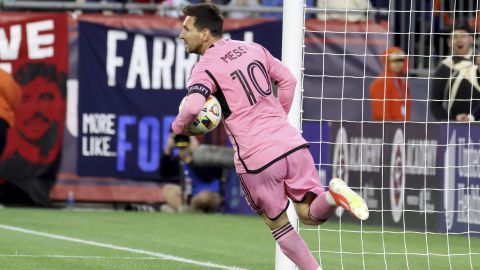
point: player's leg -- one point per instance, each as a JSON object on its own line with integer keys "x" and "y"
{"x": 265, "y": 194}
{"x": 313, "y": 205}
{"x": 313, "y": 211}
{"x": 173, "y": 196}
{"x": 303, "y": 186}
{"x": 206, "y": 201}
{"x": 321, "y": 209}
{"x": 290, "y": 242}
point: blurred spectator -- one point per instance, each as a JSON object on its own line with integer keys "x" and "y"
{"x": 455, "y": 91}
{"x": 172, "y": 8}
{"x": 464, "y": 10}
{"x": 144, "y": 1}
{"x": 103, "y": 1}
{"x": 10, "y": 97}
{"x": 104, "y": 11}
{"x": 198, "y": 189}
{"x": 279, "y": 3}
{"x": 350, "y": 10}
{"x": 390, "y": 92}
{"x": 216, "y": 2}
{"x": 242, "y": 14}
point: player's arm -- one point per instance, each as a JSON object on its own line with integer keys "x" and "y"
{"x": 283, "y": 77}
{"x": 191, "y": 107}
{"x": 199, "y": 88}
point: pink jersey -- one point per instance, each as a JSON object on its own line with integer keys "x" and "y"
{"x": 240, "y": 74}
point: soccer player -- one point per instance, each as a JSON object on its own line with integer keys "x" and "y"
{"x": 271, "y": 157}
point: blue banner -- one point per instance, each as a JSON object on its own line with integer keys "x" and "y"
{"x": 130, "y": 85}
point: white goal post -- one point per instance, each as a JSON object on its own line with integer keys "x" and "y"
{"x": 292, "y": 57}
{"x": 420, "y": 175}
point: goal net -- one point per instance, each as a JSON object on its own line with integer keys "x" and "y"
{"x": 378, "y": 128}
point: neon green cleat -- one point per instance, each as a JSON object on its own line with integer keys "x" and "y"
{"x": 345, "y": 197}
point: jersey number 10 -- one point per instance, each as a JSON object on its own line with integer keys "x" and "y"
{"x": 253, "y": 80}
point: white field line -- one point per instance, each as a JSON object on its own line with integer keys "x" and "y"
{"x": 110, "y": 246}
{"x": 59, "y": 256}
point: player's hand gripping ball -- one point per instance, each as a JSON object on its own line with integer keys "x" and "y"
{"x": 208, "y": 118}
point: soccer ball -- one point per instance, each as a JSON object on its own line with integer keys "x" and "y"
{"x": 208, "y": 118}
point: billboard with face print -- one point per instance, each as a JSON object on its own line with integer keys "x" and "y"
{"x": 36, "y": 54}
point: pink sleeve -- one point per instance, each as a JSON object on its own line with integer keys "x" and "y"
{"x": 285, "y": 80}
{"x": 200, "y": 87}
{"x": 192, "y": 106}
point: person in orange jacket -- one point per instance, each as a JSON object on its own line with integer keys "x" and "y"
{"x": 10, "y": 97}
{"x": 390, "y": 93}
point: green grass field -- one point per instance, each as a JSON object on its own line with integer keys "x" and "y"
{"x": 77, "y": 240}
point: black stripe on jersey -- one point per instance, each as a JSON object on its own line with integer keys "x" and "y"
{"x": 238, "y": 148}
{"x": 220, "y": 96}
{"x": 276, "y": 159}
{"x": 268, "y": 164}
{"x": 226, "y": 113}
{"x": 200, "y": 89}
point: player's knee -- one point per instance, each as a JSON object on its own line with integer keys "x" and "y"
{"x": 303, "y": 210}
{"x": 307, "y": 219}
{"x": 303, "y": 213}
{"x": 310, "y": 221}
{"x": 277, "y": 222}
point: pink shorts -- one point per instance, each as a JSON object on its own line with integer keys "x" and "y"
{"x": 291, "y": 177}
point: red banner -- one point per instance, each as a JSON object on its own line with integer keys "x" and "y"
{"x": 34, "y": 49}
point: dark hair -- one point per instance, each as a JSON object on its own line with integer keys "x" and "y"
{"x": 28, "y": 72}
{"x": 206, "y": 16}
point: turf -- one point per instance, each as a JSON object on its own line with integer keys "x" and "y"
{"x": 228, "y": 240}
